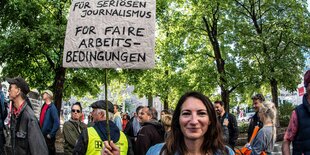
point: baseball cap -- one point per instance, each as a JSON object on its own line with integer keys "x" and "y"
{"x": 307, "y": 78}
{"x": 50, "y": 93}
{"x": 100, "y": 104}
{"x": 20, "y": 83}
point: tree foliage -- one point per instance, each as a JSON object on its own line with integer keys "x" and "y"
{"x": 224, "y": 49}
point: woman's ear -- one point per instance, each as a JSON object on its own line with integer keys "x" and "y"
{"x": 18, "y": 91}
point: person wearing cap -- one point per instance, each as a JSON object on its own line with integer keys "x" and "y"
{"x": 298, "y": 130}
{"x": 49, "y": 121}
{"x": 26, "y": 136}
{"x": 91, "y": 139}
{"x": 258, "y": 100}
{"x": 73, "y": 128}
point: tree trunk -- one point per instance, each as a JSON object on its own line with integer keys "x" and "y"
{"x": 211, "y": 28}
{"x": 166, "y": 103}
{"x": 225, "y": 98}
{"x": 150, "y": 100}
{"x": 274, "y": 91}
{"x": 59, "y": 87}
{"x": 167, "y": 91}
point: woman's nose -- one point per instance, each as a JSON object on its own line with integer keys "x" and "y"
{"x": 194, "y": 119}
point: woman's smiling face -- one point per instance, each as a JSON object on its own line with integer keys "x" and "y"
{"x": 194, "y": 119}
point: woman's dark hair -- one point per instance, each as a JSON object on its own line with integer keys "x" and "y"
{"x": 78, "y": 104}
{"x": 213, "y": 140}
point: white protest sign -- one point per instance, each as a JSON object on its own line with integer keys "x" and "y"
{"x": 110, "y": 34}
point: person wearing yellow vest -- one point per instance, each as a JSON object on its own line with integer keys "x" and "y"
{"x": 91, "y": 139}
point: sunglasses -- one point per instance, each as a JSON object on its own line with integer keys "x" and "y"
{"x": 73, "y": 110}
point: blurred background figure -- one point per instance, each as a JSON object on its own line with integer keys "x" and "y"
{"x": 49, "y": 121}
{"x": 166, "y": 121}
{"x": 258, "y": 100}
{"x": 34, "y": 97}
{"x": 133, "y": 126}
{"x": 152, "y": 132}
{"x": 3, "y": 115}
{"x": 227, "y": 120}
{"x": 125, "y": 120}
{"x": 117, "y": 119}
{"x": 73, "y": 128}
{"x": 164, "y": 112}
{"x": 266, "y": 136}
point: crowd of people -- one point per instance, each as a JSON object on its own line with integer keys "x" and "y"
{"x": 196, "y": 126}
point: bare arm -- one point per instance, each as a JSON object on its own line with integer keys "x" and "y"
{"x": 286, "y": 147}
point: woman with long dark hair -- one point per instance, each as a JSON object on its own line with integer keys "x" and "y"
{"x": 195, "y": 129}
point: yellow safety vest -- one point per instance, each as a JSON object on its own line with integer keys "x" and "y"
{"x": 95, "y": 144}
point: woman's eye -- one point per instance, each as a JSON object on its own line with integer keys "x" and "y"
{"x": 186, "y": 113}
{"x": 202, "y": 113}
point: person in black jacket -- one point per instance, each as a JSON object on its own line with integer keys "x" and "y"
{"x": 26, "y": 136}
{"x": 258, "y": 100}
{"x": 227, "y": 120}
{"x": 152, "y": 132}
{"x": 133, "y": 126}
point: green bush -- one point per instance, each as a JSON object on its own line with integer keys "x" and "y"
{"x": 285, "y": 111}
{"x": 243, "y": 127}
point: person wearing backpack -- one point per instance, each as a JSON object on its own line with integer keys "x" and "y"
{"x": 4, "y": 113}
{"x": 228, "y": 122}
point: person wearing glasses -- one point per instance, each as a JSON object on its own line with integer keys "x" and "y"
{"x": 73, "y": 128}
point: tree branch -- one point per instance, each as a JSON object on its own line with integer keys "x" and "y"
{"x": 50, "y": 61}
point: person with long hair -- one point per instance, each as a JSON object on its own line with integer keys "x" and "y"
{"x": 195, "y": 129}
{"x": 266, "y": 136}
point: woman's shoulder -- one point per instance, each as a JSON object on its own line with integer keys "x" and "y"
{"x": 228, "y": 150}
{"x": 155, "y": 150}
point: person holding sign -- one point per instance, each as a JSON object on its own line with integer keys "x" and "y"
{"x": 91, "y": 139}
